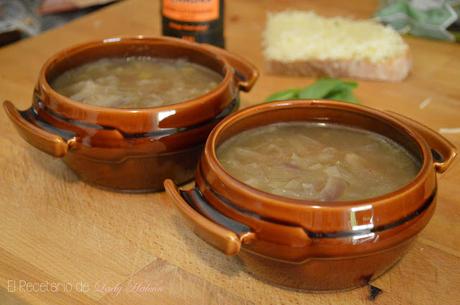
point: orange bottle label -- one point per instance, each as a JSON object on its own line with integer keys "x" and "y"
{"x": 191, "y": 10}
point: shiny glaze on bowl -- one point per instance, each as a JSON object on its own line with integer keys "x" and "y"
{"x": 306, "y": 244}
{"x": 131, "y": 149}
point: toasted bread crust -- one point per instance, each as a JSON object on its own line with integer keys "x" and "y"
{"x": 393, "y": 70}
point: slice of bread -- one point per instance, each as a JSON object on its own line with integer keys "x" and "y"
{"x": 303, "y": 43}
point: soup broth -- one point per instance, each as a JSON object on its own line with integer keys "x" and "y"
{"x": 136, "y": 82}
{"x": 317, "y": 161}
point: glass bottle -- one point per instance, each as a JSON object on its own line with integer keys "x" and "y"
{"x": 194, "y": 20}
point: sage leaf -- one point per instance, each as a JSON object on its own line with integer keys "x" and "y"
{"x": 326, "y": 88}
{"x": 283, "y": 95}
{"x": 343, "y": 95}
{"x": 319, "y": 89}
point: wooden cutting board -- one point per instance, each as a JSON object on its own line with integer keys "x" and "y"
{"x": 96, "y": 246}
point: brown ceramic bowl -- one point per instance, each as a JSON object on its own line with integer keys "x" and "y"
{"x": 131, "y": 149}
{"x": 306, "y": 244}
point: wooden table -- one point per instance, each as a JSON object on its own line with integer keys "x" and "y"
{"x": 76, "y": 244}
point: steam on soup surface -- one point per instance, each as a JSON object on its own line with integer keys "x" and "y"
{"x": 315, "y": 161}
{"x": 136, "y": 82}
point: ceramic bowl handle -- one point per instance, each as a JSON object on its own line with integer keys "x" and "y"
{"x": 246, "y": 73}
{"x": 40, "y": 138}
{"x": 444, "y": 151}
{"x": 225, "y": 240}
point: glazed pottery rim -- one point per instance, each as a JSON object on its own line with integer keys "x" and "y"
{"x": 62, "y": 55}
{"x": 251, "y": 192}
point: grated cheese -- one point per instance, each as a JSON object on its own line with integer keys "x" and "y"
{"x": 424, "y": 103}
{"x": 449, "y": 130}
{"x": 298, "y": 36}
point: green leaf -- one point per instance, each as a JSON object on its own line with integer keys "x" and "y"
{"x": 343, "y": 92}
{"x": 283, "y": 95}
{"x": 344, "y": 96}
{"x": 319, "y": 89}
{"x": 351, "y": 85}
{"x": 326, "y": 88}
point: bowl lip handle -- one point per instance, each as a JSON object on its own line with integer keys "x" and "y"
{"x": 437, "y": 143}
{"x": 245, "y": 72}
{"x": 41, "y": 139}
{"x": 215, "y": 234}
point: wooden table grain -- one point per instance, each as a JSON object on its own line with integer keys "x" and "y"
{"x": 65, "y": 242}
